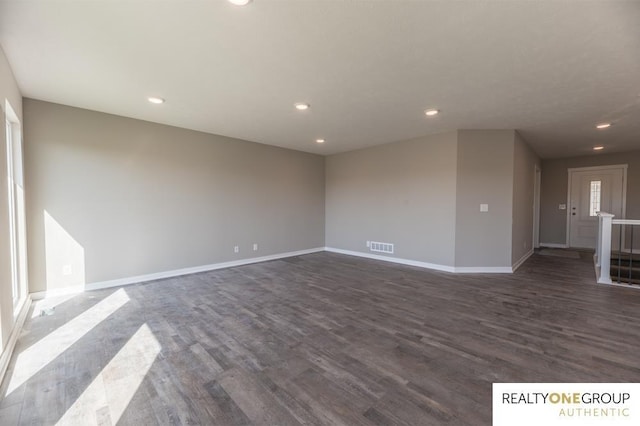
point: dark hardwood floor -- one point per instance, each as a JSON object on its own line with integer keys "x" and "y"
{"x": 319, "y": 339}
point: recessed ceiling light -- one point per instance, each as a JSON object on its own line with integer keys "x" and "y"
{"x": 302, "y": 106}
{"x": 320, "y": 140}
{"x": 155, "y": 100}
{"x": 431, "y": 112}
{"x": 603, "y": 125}
{"x": 598, "y": 148}
{"x": 240, "y": 2}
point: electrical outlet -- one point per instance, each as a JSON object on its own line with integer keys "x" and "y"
{"x": 255, "y": 246}
{"x": 66, "y": 270}
{"x": 484, "y": 207}
{"x": 368, "y": 243}
{"x": 236, "y": 249}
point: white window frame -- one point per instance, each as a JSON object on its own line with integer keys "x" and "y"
{"x": 16, "y": 207}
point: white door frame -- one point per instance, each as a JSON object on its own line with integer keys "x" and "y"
{"x": 571, "y": 171}
{"x": 537, "y": 173}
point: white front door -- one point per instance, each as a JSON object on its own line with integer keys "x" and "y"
{"x": 593, "y": 190}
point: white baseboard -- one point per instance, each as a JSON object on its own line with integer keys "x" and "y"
{"x": 417, "y": 263}
{"x": 483, "y": 270}
{"x": 192, "y": 270}
{"x": 166, "y": 274}
{"x": 5, "y": 357}
{"x": 521, "y": 260}
{"x": 426, "y": 265}
{"x": 553, "y": 245}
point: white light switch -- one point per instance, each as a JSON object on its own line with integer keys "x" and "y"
{"x": 484, "y": 207}
{"x": 562, "y": 207}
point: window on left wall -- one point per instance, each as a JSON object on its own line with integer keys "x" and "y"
{"x": 16, "y": 208}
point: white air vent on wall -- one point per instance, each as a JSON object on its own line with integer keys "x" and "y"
{"x": 381, "y": 247}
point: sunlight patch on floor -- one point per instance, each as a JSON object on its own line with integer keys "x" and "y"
{"x": 105, "y": 400}
{"x": 47, "y": 349}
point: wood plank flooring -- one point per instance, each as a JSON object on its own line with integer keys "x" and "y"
{"x": 320, "y": 339}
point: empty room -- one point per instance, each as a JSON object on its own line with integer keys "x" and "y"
{"x": 288, "y": 212}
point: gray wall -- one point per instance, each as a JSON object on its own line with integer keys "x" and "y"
{"x": 524, "y": 163}
{"x": 111, "y": 197}
{"x": 401, "y": 193}
{"x": 485, "y": 176}
{"x": 8, "y": 91}
{"x": 424, "y": 196}
{"x": 553, "y": 222}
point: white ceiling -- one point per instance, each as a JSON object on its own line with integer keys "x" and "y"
{"x": 551, "y": 69}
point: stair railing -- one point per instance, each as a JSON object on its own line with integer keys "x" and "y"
{"x": 623, "y": 258}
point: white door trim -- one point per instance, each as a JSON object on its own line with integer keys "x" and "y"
{"x": 597, "y": 168}
{"x": 572, "y": 170}
{"x": 537, "y": 177}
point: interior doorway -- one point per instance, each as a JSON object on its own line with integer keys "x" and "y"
{"x": 591, "y": 190}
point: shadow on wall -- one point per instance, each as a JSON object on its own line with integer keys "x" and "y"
{"x": 64, "y": 257}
